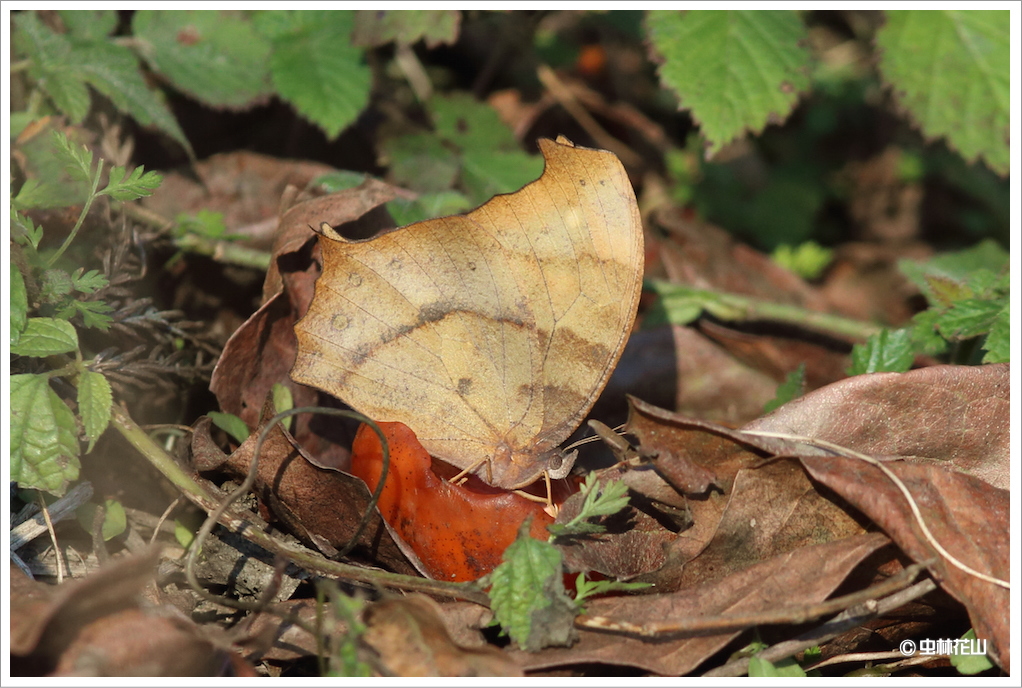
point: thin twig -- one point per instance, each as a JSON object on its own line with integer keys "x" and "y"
{"x": 53, "y": 537}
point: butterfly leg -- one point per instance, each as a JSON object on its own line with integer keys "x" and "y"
{"x": 461, "y": 477}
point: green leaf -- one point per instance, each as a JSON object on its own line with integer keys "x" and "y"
{"x": 786, "y": 667}
{"x": 215, "y": 56}
{"x": 90, "y": 25}
{"x": 339, "y": 180}
{"x": 600, "y": 500}
{"x": 420, "y": 162}
{"x": 970, "y": 664}
{"x": 807, "y": 260}
{"x": 50, "y": 65}
{"x": 54, "y": 285}
{"x": 886, "y": 351}
{"x": 998, "y": 342}
{"x": 528, "y": 597}
{"x": 94, "y": 402}
{"x": 183, "y": 534}
{"x": 319, "y": 71}
{"x": 94, "y": 313}
{"x": 88, "y": 282}
{"x": 472, "y": 125}
{"x": 950, "y": 71}
{"x": 793, "y": 387}
{"x": 586, "y": 588}
{"x": 44, "y": 444}
{"x": 736, "y": 71}
{"x": 486, "y": 173}
{"x": 969, "y": 318}
{"x": 925, "y": 338}
{"x": 114, "y": 71}
{"x": 46, "y": 337}
{"x": 24, "y": 230}
{"x": 115, "y": 520}
{"x": 77, "y": 159}
{"x": 946, "y": 277}
{"x": 283, "y": 400}
{"x": 205, "y": 223}
{"x": 427, "y": 206}
{"x": 378, "y": 27}
{"x": 231, "y": 424}
{"x": 133, "y": 186}
{"x": 19, "y": 305}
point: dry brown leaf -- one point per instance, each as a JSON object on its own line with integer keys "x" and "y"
{"x": 955, "y": 415}
{"x": 262, "y": 351}
{"x": 321, "y": 506}
{"x": 802, "y": 576}
{"x": 411, "y": 639}
{"x": 967, "y": 516}
{"x": 489, "y": 334}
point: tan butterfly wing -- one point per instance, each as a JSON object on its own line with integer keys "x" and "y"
{"x": 490, "y": 334}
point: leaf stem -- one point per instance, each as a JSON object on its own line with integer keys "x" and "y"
{"x": 81, "y": 218}
{"x": 735, "y": 307}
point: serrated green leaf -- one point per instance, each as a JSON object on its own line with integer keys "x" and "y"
{"x": 89, "y": 25}
{"x": 321, "y": 73}
{"x": 793, "y": 387}
{"x": 215, "y": 56}
{"x": 528, "y": 597}
{"x": 88, "y": 282}
{"x": 115, "y": 520}
{"x": 998, "y": 342}
{"x": 94, "y": 401}
{"x": 378, "y": 27}
{"x": 129, "y": 187}
{"x": 19, "y": 305}
{"x": 46, "y": 337}
{"x": 950, "y": 71}
{"x": 969, "y": 318}
{"x": 231, "y": 424}
{"x": 886, "y": 351}
{"x": 935, "y": 276}
{"x": 44, "y": 444}
{"x": 114, "y": 71}
{"x": 50, "y": 65}
{"x": 759, "y": 667}
{"x": 736, "y": 71}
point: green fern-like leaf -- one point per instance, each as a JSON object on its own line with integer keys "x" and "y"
{"x": 129, "y": 187}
